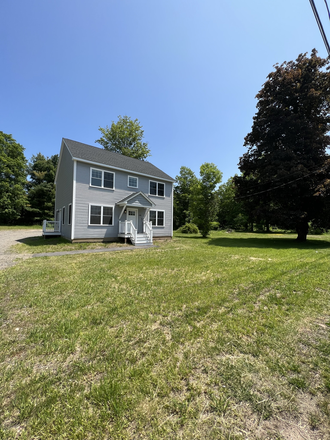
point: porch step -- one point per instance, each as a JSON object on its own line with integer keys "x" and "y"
{"x": 142, "y": 239}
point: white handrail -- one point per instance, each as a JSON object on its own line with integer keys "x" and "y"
{"x": 147, "y": 229}
{"x": 133, "y": 232}
{"x": 51, "y": 226}
{"x": 128, "y": 228}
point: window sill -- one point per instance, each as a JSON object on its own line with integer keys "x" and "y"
{"x": 102, "y": 226}
{"x": 102, "y": 187}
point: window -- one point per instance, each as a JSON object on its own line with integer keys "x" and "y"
{"x": 157, "y": 189}
{"x": 101, "y": 215}
{"x": 102, "y": 179}
{"x": 69, "y": 213}
{"x": 132, "y": 182}
{"x": 157, "y": 218}
{"x": 63, "y": 215}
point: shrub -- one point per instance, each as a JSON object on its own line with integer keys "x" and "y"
{"x": 189, "y": 228}
{"x": 214, "y": 226}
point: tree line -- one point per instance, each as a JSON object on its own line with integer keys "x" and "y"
{"x": 284, "y": 179}
{"x": 27, "y": 190}
{"x": 285, "y": 173}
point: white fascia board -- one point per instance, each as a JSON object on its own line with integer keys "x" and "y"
{"x": 120, "y": 169}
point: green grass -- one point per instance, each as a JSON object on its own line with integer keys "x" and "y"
{"x": 219, "y": 338}
{"x": 6, "y": 227}
{"x": 36, "y": 245}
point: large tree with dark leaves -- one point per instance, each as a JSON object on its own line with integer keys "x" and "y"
{"x": 285, "y": 172}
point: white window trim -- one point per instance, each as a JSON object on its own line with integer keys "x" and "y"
{"x": 156, "y": 195}
{"x": 63, "y": 216}
{"x": 156, "y": 225}
{"x": 102, "y": 171}
{"x": 137, "y": 181}
{"x": 69, "y": 222}
{"x": 102, "y": 206}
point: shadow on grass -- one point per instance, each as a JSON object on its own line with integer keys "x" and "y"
{"x": 286, "y": 242}
{"x": 268, "y": 242}
{"x": 41, "y": 241}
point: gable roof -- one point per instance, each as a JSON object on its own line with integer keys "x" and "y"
{"x": 99, "y": 156}
{"x": 131, "y": 197}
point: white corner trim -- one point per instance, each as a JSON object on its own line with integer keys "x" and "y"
{"x": 73, "y": 213}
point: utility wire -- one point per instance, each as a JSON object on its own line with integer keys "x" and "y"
{"x": 311, "y": 171}
{"x": 326, "y": 4}
{"x": 318, "y": 21}
{"x": 279, "y": 186}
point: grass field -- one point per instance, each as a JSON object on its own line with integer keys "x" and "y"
{"x": 35, "y": 245}
{"x": 6, "y": 227}
{"x": 219, "y": 338}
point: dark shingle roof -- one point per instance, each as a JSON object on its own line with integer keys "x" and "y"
{"x": 104, "y": 157}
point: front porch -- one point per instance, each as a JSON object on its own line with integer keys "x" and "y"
{"x": 128, "y": 230}
{"x": 136, "y": 226}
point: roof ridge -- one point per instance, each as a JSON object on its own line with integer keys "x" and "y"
{"x": 93, "y": 154}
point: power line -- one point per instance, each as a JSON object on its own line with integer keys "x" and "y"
{"x": 279, "y": 186}
{"x": 318, "y": 21}
{"x": 326, "y": 5}
{"x": 291, "y": 174}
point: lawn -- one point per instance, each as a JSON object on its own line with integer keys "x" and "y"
{"x": 35, "y": 245}
{"x": 219, "y": 338}
{"x": 18, "y": 227}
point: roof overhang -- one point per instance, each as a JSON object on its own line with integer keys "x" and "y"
{"x": 122, "y": 169}
{"x": 129, "y": 200}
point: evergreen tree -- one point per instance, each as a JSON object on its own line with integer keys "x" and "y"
{"x": 12, "y": 179}
{"x": 41, "y": 188}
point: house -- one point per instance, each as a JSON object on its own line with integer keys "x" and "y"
{"x": 102, "y": 196}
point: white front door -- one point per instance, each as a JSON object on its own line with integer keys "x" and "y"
{"x": 132, "y": 215}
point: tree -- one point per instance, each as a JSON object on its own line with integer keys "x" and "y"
{"x": 185, "y": 182}
{"x": 12, "y": 179}
{"x": 41, "y": 188}
{"x": 204, "y": 198}
{"x": 230, "y": 211}
{"x": 285, "y": 172}
{"x": 125, "y": 137}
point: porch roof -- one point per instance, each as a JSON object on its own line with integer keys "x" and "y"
{"x": 136, "y": 199}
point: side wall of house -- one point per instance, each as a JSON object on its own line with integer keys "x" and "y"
{"x": 63, "y": 197}
{"x": 87, "y": 195}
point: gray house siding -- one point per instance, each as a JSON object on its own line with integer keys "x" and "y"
{"x": 64, "y": 185}
{"x": 87, "y": 195}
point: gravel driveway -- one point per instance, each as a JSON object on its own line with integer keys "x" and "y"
{"x": 9, "y": 238}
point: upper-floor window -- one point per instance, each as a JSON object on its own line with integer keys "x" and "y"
{"x": 132, "y": 182}
{"x": 157, "y": 188}
{"x": 102, "y": 179}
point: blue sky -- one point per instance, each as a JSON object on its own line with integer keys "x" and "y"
{"x": 189, "y": 70}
